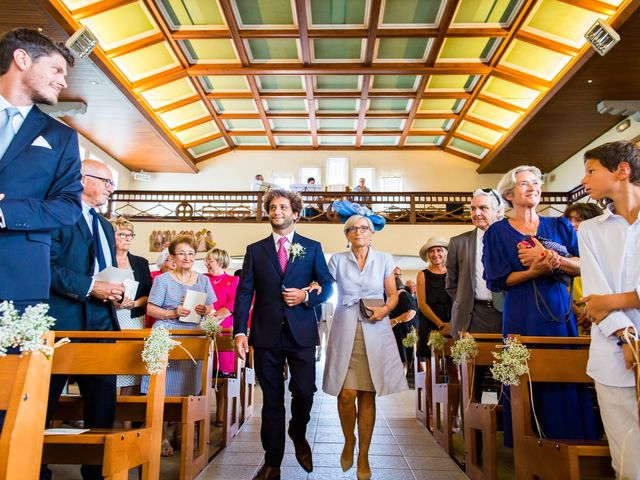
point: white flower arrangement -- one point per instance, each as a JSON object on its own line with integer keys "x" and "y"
{"x": 511, "y": 362}
{"x": 297, "y": 252}
{"x": 411, "y": 339}
{"x": 436, "y": 341}
{"x": 211, "y": 325}
{"x": 155, "y": 353}
{"x": 464, "y": 349}
{"x": 24, "y": 331}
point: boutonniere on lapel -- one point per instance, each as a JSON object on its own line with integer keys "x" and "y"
{"x": 297, "y": 252}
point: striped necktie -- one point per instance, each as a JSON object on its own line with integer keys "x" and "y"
{"x": 282, "y": 254}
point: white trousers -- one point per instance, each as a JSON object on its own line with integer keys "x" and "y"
{"x": 619, "y": 410}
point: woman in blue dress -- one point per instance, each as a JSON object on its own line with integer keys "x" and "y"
{"x": 530, "y": 257}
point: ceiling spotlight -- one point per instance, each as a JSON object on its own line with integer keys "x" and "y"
{"x": 82, "y": 42}
{"x": 602, "y": 37}
{"x": 589, "y": 81}
{"x": 622, "y": 126}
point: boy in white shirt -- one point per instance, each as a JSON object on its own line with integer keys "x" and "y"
{"x": 610, "y": 268}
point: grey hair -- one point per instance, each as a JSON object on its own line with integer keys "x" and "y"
{"x": 351, "y": 221}
{"x": 508, "y": 182}
{"x": 496, "y": 200}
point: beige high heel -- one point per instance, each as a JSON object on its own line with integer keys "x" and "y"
{"x": 346, "y": 459}
{"x": 363, "y": 475}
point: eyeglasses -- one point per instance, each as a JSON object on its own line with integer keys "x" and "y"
{"x": 493, "y": 192}
{"x": 107, "y": 181}
{"x": 362, "y": 229}
{"x": 186, "y": 254}
{"x": 124, "y": 236}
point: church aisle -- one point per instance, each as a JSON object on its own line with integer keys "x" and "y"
{"x": 401, "y": 448}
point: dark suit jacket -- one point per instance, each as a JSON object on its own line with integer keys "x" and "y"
{"x": 42, "y": 193}
{"x": 261, "y": 274}
{"x": 72, "y": 264}
{"x": 141, "y": 274}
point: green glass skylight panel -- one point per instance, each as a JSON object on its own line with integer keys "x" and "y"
{"x": 285, "y": 140}
{"x": 207, "y": 147}
{"x": 289, "y": 124}
{"x": 441, "y": 105}
{"x": 272, "y": 49}
{"x": 468, "y": 147}
{"x": 394, "y": 82}
{"x": 389, "y": 105}
{"x": 491, "y": 113}
{"x": 121, "y": 25}
{"x": 423, "y": 140}
{"x": 209, "y": 50}
{"x": 341, "y": 140}
{"x": 225, "y": 83}
{"x": 171, "y": 92}
{"x": 431, "y": 124}
{"x": 561, "y": 21}
{"x": 285, "y": 105}
{"x": 186, "y": 114}
{"x": 534, "y": 60}
{"x": 269, "y": 83}
{"x": 451, "y": 83}
{"x": 193, "y": 12}
{"x": 486, "y": 11}
{"x": 479, "y": 132}
{"x": 403, "y": 49}
{"x": 337, "y": 49}
{"x": 243, "y": 124}
{"x": 198, "y": 132}
{"x": 386, "y": 140}
{"x": 250, "y": 140}
{"x": 338, "y": 13}
{"x": 384, "y": 124}
{"x": 235, "y": 105}
{"x": 337, "y": 124}
{"x": 264, "y": 13}
{"x": 411, "y": 12}
{"x": 337, "y": 82}
{"x": 468, "y": 49}
{"x": 510, "y": 92}
{"x": 338, "y": 104}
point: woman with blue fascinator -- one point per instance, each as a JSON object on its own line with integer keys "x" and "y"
{"x": 362, "y": 356}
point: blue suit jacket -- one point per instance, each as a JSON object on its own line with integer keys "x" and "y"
{"x": 261, "y": 274}
{"x": 42, "y": 192}
{"x": 72, "y": 265}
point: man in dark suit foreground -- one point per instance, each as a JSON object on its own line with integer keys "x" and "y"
{"x": 39, "y": 163}
{"x": 283, "y": 326}
{"x": 80, "y": 302}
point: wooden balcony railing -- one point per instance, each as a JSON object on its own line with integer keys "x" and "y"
{"x": 245, "y": 207}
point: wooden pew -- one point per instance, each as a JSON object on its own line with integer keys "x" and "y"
{"x": 230, "y": 391}
{"x": 420, "y": 391}
{"x": 445, "y": 396}
{"x": 553, "y": 458}
{"x": 24, "y": 388}
{"x": 117, "y": 449}
{"x": 247, "y": 388}
{"x": 191, "y": 413}
{"x": 479, "y": 417}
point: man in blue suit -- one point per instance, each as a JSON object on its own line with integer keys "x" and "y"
{"x": 283, "y": 326}
{"x": 80, "y": 302}
{"x": 39, "y": 163}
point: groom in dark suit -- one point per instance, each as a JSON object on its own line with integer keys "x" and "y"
{"x": 283, "y": 326}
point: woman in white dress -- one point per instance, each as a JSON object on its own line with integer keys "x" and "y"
{"x": 362, "y": 356}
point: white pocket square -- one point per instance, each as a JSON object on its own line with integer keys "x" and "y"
{"x": 41, "y": 142}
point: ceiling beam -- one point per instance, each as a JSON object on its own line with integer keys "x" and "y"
{"x": 97, "y": 8}
{"x": 544, "y": 42}
{"x": 500, "y": 103}
{"x": 135, "y": 45}
{"x": 336, "y": 69}
{"x": 462, "y": 155}
{"x": 305, "y": 48}
{"x": 593, "y": 5}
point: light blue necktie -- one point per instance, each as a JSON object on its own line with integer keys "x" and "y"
{"x": 6, "y": 128}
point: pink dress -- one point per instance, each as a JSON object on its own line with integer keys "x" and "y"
{"x": 225, "y": 287}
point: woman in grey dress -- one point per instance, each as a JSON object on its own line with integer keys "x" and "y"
{"x": 362, "y": 357}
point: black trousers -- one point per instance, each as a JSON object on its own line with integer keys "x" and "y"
{"x": 269, "y": 365}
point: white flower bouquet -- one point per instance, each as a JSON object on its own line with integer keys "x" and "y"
{"x": 155, "y": 353}
{"x": 24, "y": 331}
{"x": 511, "y": 362}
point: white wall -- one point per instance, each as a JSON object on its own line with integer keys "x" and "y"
{"x": 90, "y": 151}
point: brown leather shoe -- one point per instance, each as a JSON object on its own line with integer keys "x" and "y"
{"x": 303, "y": 453}
{"x": 267, "y": 472}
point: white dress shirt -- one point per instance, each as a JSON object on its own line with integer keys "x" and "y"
{"x": 481, "y": 291}
{"x": 610, "y": 263}
{"x": 103, "y": 239}
{"x": 288, "y": 243}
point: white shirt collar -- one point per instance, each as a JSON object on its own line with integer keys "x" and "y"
{"x": 277, "y": 237}
{"x": 24, "y": 110}
{"x": 608, "y": 213}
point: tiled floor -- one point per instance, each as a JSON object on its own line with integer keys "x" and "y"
{"x": 401, "y": 448}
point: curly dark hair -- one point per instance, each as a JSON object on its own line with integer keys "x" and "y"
{"x": 611, "y": 154}
{"x": 294, "y": 198}
{"x": 34, "y": 43}
{"x": 583, "y": 210}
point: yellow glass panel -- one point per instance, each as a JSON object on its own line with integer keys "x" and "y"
{"x": 181, "y": 13}
{"x": 510, "y": 92}
{"x": 469, "y": 48}
{"x": 562, "y": 22}
{"x": 440, "y": 105}
{"x": 146, "y": 61}
{"x": 121, "y": 25}
{"x": 171, "y": 92}
{"x": 534, "y": 60}
{"x": 75, "y": 4}
{"x": 196, "y": 133}
{"x": 479, "y": 132}
{"x": 451, "y": 83}
{"x": 493, "y": 114}
{"x": 210, "y": 50}
{"x": 182, "y": 115}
